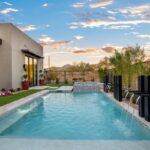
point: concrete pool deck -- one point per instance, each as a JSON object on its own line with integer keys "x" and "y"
{"x": 42, "y": 144}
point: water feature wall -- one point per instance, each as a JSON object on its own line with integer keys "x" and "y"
{"x": 141, "y": 87}
{"x": 87, "y": 86}
{"x": 118, "y": 88}
{"x": 144, "y": 102}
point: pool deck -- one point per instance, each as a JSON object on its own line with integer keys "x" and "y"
{"x": 11, "y": 106}
{"x": 44, "y": 144}
{"x": 65, "y": 89}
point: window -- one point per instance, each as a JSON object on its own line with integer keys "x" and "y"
{"x": 31, "y": 70}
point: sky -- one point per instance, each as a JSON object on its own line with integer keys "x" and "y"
{"x": 80, "y": 30}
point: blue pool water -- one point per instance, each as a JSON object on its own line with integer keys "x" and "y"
{"x": 86, "y": 116}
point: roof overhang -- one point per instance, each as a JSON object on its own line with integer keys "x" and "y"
{"x": 27, "y": 52}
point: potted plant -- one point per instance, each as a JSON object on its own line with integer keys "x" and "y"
{"x": 41, "y": 81}
{"x": 25, "y": 83}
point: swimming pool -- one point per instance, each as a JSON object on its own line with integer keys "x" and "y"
{"x": 76, "y": 116}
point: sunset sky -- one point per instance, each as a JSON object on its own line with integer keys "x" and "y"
{"x": 81, "y": 30}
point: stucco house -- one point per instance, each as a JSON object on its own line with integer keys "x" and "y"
{"x": 19, "y": 55}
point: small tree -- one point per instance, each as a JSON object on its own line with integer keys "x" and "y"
{"x": 103, "y": 68}
{"x": 102, "y": 72}
{"x": 128, "y": 64}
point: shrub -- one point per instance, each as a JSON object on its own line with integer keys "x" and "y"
{"x": 19, "y": 89}
{"x": 12, "y": 90}
{"x": 66, "y": 81}
{"x": 25, "y": 77}
{"x": 3, "y": 90}
{"x": 57, "y": 80}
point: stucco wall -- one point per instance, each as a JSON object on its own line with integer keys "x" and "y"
{"x": 22, "y": 41}
{"x": 5, "y": 57}
{"x": 18, "y": 41}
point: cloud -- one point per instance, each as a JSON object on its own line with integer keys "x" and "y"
{"x": 92, "y": 15}
{"x": 111, "y": 12}
{"x": 55, "y": 45}
{"x": 79, "y": 37}
{"x": 45, "y": 5}
{"x": 101, "y": 3}
{"x": 73, "y": 27}
{"x": 143, "y": 35}
{"x": 118, "y": 27}
{"x": 28, "y": 28}
{"x": 134, "y": 33}
{"x": 8, "y": 10}
{"x": 7, "y": 3}
{"x": 86, "y": 51}
{"x": 109, "y": 49}
{"x": 137, "y": 34}
{"x": 78, "y": 5}
{"x": 98, "y": 23}
{"x": 46, "y": 39}
{"x": 142, "y": 11}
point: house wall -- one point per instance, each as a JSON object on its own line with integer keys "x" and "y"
{"x": 18, "y": 41}
{"x": 22, "y": 41}
{"x": 5, "y": 57}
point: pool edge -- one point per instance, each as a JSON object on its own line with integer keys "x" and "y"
{"x": 130, "y": 110}
{"x": 16, "y": 104}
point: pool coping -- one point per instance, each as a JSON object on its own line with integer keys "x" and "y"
{"x": 28, "y": 144}
{"x": 129, "y": 109}
{"x": 65, "y": 89}
{"x": 16, "y": 104}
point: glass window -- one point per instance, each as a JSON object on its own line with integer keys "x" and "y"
{"x": 27, "y": 67}
{"x": 31, "y": 70}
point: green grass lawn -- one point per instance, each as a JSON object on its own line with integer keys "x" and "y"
{"x": 58, "y": 85}
{"x": 8, "y": 99}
